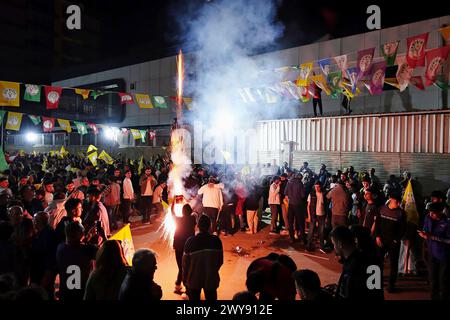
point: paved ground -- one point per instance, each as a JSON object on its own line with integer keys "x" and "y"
{"x": 235, "y": 265}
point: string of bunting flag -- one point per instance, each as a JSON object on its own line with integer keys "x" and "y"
{"x": 336, "y": 76}
{"x": 14, "y": 121}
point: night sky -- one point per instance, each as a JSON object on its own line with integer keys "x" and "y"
{"x": 132, "y": 31}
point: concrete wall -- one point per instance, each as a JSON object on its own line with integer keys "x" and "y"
{"x": 158, "y": 77}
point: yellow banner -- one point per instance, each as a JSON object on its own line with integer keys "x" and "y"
{"x": 141, "y": 165}
{"x": 9, "y": 94}
{"x": 409, "y": 205}
{"x": 144, "y": 101}
{"x": 83, "y": 92}
{"x": 126, "y": 239}
{"x": 14, "y": 121}
{"x": 136, "y": 134}
{"x": 65, "y": 125}
{"x": 320, "y": 81}
{"x": 305, "y": 70}
{"x": 106, "y": 157}
{"x": 92, "y": 155}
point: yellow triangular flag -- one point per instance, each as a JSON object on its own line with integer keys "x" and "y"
{"x": 21, "y": 153}
{"x": 409, "y": 205}
{"x": 124, "y": 235}
{"x": 63, "y": 152}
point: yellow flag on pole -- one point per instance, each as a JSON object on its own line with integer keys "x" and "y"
{"x": 63, "y": 152}
{"x": 106, "y": 157}
{"x": 92, "y": 155}
{"x": 126, "y": 239}
{"x": 409, "y": 205}
{"x": 141, "y": 165}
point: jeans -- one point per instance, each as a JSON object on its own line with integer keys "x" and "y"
{"x": 312, "y": 228}
{"x": 112, "y": 215}
{"x": 252, "y": 220}
{"x": 212, "y": 214}
{"x": 146, "y": 207}
{"x": 126, "y": 210}
{"x": 296, "y": 215}
{"x": 439, "y": 279}
{"x": 393, "y": 249}
{"x": 179, "y": 257}
{"x": 315, "y": 103}
{"x": 274, "y": 212}
{"x": 194, "y": 294}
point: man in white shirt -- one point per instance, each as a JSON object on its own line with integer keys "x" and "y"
{"x": 212, "y": 201}
{"x": 147, "y": 182}
{"x": 128, "y": 196}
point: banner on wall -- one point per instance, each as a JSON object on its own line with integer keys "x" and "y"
{"x": 125, "y": 98}
{"x": 32, "y": 93}
{"x": 364, "y": 64}
{"x": 52, "y": 97}
{"x": 48, "y": 124}
{"x": 389, "y": 52}
{"x": 377, "y": 77}
{"x": 143, "y": 101}
{"x": 435, "y": 59}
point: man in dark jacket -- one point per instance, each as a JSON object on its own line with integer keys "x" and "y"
{"x": 138, "y": 284}
{"x": 43, "y": 254}
{"x": 202, "y": 259}
{"x": 353, "y": 282}
{"x": 295, "y": 193}
{"x": 390, "y": 228}
{"x": 436, "y": 231}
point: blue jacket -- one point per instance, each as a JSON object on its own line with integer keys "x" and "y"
{"x": 439, "y": 243}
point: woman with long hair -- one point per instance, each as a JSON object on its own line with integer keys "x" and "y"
{"x": 110, "y": 270}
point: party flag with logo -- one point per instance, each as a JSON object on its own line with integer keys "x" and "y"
{"x": 125, "y": 98}
{"x": 83, "y": 92}
{"x": 136, "y": 134}
{"x": 364, "y": 65}
{"x": 143, "y": 135}
{"x": 325, "y": 66}
{"x": 106, "y": 157}
{"x": 48, "y": 124}
{"x": 389, "y": 52}
{"x": 126, "y": 240}
{"x": 435, "y": 59}
{"x": 93, "y": 127}
{"x": 377, "y": 77}
{"x": 81, "y": 127}
{"x": 159, "y": 102}
{"x": 415, "y": 55}
{"x": 341, "y": 62}
{"x": 9, "y": 94}
{"x": 52, "y": 96}
{"x": 92, "y": 154}
{"x": 305, "y": 70}
{"x": 143, "y": 101}
{"x": 35, "y": 119}
{"x": 14, "y": 120}
{"x": 65, "y": 125}
{"x": 404, "y": 74}
{"x": 32, "y": 93}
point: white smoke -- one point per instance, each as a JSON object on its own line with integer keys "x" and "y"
{"x": 224, "y": 35}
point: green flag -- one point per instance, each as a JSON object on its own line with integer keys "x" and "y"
{"x": 2, "y": 114}
{"x": 81, "y": 127}
{"x": 389, "y": 52}
{"x": 3, "y": 164}
{"x": 442, "y": 85}
{"x": 96, "y": 93}
{"x": 159, "y": 102}
{"x": 36, "y": 119}
{"x": 32, "y": 93}
{"x": 334, "y": 79}
{"x": 143, "y": 135}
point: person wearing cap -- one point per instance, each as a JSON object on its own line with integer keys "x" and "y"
{"x": 436, "y": 231}
{"x": 390, "y": 228}
{"x": 212, "y": 201}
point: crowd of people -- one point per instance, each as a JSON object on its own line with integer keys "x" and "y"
{"x": 57, "y": 214}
